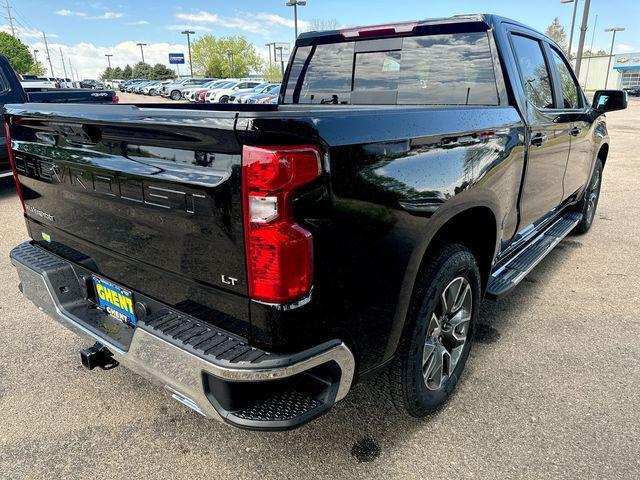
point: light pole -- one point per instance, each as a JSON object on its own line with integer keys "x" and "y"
{"x": 109, "y": 55}
{"x": 141, "y": 49}
{"x": 268, "y": 45}
{"x": 583, "y": 31}
{"x": 35, "y": 55}
{"x": 573, "y": 21}
{"x": 188, "y": 33}
{"x": 613, "y": 39}
{"x": 281, "y": 60}
{"x": 295, "y": 4}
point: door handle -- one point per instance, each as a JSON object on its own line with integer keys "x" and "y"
{"x": 575, "y": 131}
{"x": 538, "y": 139}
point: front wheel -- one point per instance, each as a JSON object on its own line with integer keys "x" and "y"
{"x": 175, "y": 95}
{"x": 589, "y": 203}
{"x": 440, "y": 326}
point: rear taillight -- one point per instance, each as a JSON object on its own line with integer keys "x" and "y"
{"x": 13, "y": 165}
{"x": 279, "y": 251}
{"x": 116, "y": 99}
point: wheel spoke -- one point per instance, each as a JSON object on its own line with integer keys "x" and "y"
{"x": 434, "y": 373}
{"x": 450, "y": 295}
{"x": 427, "y": 354}
{"x": 433, "y": 324}
{"x": 462, "y": 296}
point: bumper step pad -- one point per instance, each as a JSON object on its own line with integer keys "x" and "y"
{"x": 200, "y": 338}
{"x": 507, "y": 277}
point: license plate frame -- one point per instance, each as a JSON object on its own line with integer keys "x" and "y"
{"x": 117, "y": 301}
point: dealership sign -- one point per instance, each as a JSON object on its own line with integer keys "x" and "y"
{"x": 176, "y": 58}
{"x": 627, "y": 61}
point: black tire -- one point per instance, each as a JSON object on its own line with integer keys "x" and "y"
{"x": 589, "y": 203}
{"x": 408, "y": 382}
{"x": 176, "y": 95}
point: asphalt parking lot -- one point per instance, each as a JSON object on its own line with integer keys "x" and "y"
{"x": 552, "y": 388}
{"x": 135, "y": 98}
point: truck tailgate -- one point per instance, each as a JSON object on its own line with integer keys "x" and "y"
{"x": 148, "y": 198}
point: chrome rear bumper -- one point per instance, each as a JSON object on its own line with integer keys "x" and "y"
{"x": 180, "y": 370}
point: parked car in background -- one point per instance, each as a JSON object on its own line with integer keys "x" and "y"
{"x": 150, "y": 86}
{"x": 269, "y": 95}
{"x": 155, "y": 90}
{"x": 133, "y": 86}
{"x": 32, "y": 83}
{"x": 633, "y": 91}
{"x": 218, "y": 85}
{"x": 222, "y": 95}
{"x": 91, "y": 84}
{"x": 193, "y": 93}
{"x": 125, "y": 85}
{"x": 238, "y": 96}
{"x": 174, "y": 91}
{"x": 139, "y": 86}
{"x": 113, "y": 83}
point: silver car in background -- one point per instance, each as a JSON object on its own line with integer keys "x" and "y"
{"x": 174, "y": 91}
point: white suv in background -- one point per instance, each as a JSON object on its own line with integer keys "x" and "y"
{"x": 222, "y": 95}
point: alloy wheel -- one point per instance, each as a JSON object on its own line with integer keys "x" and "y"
{"x": 594, "y": 193}
{"x": 447, "y": 333}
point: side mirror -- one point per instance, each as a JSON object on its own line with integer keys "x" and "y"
{"x": 609, "y": 100}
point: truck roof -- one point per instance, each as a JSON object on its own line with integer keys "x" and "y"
{"x": 477, "y": 21}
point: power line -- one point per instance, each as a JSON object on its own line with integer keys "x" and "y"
{"x": 25, "y": 22}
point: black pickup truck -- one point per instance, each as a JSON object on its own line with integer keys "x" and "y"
{"x": 257, "y": 260}
{"x": 11, "y": 91}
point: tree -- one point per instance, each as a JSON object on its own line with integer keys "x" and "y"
{"x": 161, "y": 72}
{"x": 141, "y": 70}
{"x": 597, "y": 53}
{"x": 118, "y": 73}
{"x": 272, "y": 73}
{"x": 127, "y": 72}
{"x": 17, "y": 53}
{"x": 107, "y": 74}
{"x": 557, "y": 33}
{"x": 37, "y": 69}
{"x": 317, "y": 25}
{"x": 225, "y": 57}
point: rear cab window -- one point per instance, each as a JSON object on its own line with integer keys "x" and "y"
{"x": 438, "y": 69}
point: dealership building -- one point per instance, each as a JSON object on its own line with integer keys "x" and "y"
{"x": 623, "y": 72}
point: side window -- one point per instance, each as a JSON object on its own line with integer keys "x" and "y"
{"x": 533, "y": 68}
{"x": 449, "y": 69}
{"x": 328, "y": 78}
{"x": 570, "y": 96}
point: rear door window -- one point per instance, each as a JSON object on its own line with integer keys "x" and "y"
{"x": 447, "y": 69}
{"x": 533, "y": 70}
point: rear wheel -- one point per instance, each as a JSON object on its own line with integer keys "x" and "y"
{"x": 440, "y": 326}
{"x": 175, "y": 95}
{"x": 589, "y": 203}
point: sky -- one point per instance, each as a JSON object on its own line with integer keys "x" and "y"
{"x": 87, "y": 30}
